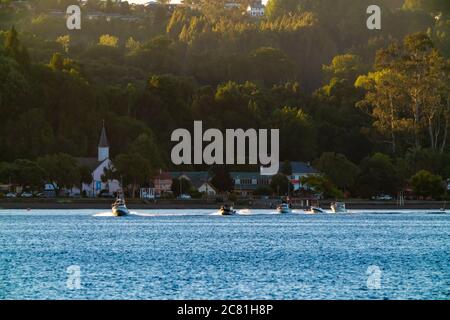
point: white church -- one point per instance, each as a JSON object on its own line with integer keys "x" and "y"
{"x": 97, "y": 167}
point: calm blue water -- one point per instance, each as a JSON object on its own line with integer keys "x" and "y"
{"x": 196, "y": 255}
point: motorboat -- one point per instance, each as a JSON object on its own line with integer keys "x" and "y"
{"x": 119, "y": 208}
{"x": 227, "y": 210}
{"x": 315, "y": 210}
{"x": 284, "y": 208}
{"x": 338, "y": 207}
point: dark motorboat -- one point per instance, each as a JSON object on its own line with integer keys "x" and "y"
{"x": 227, "y": 210}
{"x": 315, "y": 210}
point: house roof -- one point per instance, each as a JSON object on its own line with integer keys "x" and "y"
{"x": 197, "y": 178}
{"x": 302, "y": 168}
{"x": 103, "y": 143}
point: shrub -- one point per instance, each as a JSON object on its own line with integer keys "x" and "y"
{"x": 426, "y": 184}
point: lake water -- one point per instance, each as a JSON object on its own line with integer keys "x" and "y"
{"x": 195, "y": 254}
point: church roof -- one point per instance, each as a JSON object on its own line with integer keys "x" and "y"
{"x": 91, "y": 163}
{"x": 103, "y": 143}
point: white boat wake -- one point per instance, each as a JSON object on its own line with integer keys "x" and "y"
{"x": 257, "y": 212}
{"x": 110, "y": 214}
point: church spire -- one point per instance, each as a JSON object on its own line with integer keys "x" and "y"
{"x": 103, "y": 145}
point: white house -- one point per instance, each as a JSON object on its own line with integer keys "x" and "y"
{"x": 207, "y": 188}
{"x": 97, "y": 166}
{"x": 256, "y": 9}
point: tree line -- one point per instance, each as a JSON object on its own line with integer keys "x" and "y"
{"x": 378, "y": 100}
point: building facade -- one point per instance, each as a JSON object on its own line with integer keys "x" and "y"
{"x": 256, "y": 10}
{"x": 246, "y": 183}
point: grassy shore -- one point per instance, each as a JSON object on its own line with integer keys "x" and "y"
{"x": 197, "y": 204}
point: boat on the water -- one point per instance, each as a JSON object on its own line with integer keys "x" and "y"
{"x": 338, "y": 207}
{"x": 284, "y": 208}
{"x": 119, "y": 208}
{"x": 227, "y": 210}
{"x": 315, "y": 210}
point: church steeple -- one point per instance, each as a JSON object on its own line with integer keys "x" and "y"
{"x": 103, "y": 145}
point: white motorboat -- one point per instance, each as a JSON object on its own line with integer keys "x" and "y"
{"x": 338, "y": 207}
{"x": 284, "y": 208}
{"x": 119, "y": 208}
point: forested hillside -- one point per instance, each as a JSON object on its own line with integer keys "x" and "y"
{"x": 376, "y": 101}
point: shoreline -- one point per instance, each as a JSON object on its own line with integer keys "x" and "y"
{"x": 73, "y": 204}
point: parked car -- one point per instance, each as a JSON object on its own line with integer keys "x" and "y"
{"x": 26, "y": 194}
{"x": 11, "y": 195}
{"x": 39, "y": 195}
{"x": 184, "y": 197}
{"x": 384, "y": 197}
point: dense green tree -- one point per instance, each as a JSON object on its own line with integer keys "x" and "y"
{"x": 60, "y": 170}
{"x": 133, "y": 169}
{"x": 281, "y": 185}
{"x": 426, "y": 184}
{"x": 221, "y": 178}
{"x": 15, "y": 49}
{"x": 347, "y": 67}
{"x": 408, "y": 94}
{"x": 14, "y": 88}
{"x": 28, "y": 174}
{"x": 432, "y": 6}
{"x": 146, "y": 146}
{"x": 6, "y": 172}
{"x": 321, "y": 185}
{"x": 427, "y": 159}
{"x": 338, "y": 169}
{"x": 297, "y": 134}
{"x": 271, "y": 65}
{"x": 378, "y": 175}
{"x": 85, "y": 176}
{"x": 278, "y": 8}
{"x": 57, "y": 61}
{"x": 30, "y": 135}
{"x": 286, "y": 168}
{"x": 181, "y": 186}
